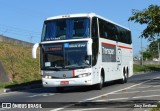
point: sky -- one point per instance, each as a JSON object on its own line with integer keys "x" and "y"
{"x": 23, "y": 19}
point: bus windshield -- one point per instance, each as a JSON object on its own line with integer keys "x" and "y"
{"x": 65, "y": 55}
{"x": 62, "y": 29}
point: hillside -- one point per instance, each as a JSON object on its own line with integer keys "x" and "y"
{"x": 18, "y": 63}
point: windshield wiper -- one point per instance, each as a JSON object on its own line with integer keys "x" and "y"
{"x": 77, "y": 66}
{"x": 71, "y": 66}
{"x": 76, "y": 37}
{"x": 53, "y": 68}
{"x": 84, "y": 66}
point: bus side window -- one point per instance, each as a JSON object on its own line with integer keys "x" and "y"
{"x": 121, "y": 35}
{"x": 113, "y": 31}
{"x": 124, "y": 36}
{"x": 107, "y": 30}
{"x": 102, "y": 28}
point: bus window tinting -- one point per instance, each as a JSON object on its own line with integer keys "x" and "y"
{"x": 113, "y": 32}
{"x": 107, "y": 30}
{"x": 62, "y": 29}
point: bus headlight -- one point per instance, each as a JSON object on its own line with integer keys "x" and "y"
{"x": 48, "y": 77}
{"x": 84, "y": 75}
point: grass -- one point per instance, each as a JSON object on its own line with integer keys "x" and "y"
{"x": 156, "y": 109}
{"x": 145, "y": 68}
{"x": 18, "y": 64}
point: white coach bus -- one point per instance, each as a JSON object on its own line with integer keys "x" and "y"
{"x": 84, "y": 49}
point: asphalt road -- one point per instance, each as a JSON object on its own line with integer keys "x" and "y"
{"x": 140, "y": 93}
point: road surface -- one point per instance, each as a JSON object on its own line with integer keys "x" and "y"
{"x": 141, "y": 92}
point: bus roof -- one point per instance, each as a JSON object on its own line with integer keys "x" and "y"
{"x": 83, "y": 15}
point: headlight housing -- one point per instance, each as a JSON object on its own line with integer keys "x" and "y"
{"x": 84, "y": 75}
{"x": 48, "y": 77}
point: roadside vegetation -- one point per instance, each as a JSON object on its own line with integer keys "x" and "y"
{"x": 18, "y": 64}
{"x": 149, "y": 17}
{"x": 156, "y": 109}
{"x": 145, "y": 68}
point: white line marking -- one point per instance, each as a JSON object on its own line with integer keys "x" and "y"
{"x": 137, "y": 91}
{"x": 156, "y": 86}
{"x": 48, "y": 94}
{"x": 34, "y": 96}
{"x": 99, "y": 101}
{"x": 3, "y": 94}
{"x": 113, "y": 99}
{"x": 57, "y": 109}
{"x": 146, "y": 96}
{"x": 87, "y": 109}
{"x": 142, "y": 87}
{"x": 146, "y": 87}
{"x": 37, "y": 95}
{"x": 136, "y": 97}
{"x": 117, "y": 90}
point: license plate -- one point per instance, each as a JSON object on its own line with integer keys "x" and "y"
{"x": 64, "y": 82}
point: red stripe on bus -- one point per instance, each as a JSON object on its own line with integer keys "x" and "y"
{"x": 73, "y": 74}
{"x": 124, "y": 47}
{"x": 108, "y": 44}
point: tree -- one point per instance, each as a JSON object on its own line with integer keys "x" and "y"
{"x": 153, "y": 48}
{"x": 150, "y": 17}
{"x": 147, "y": 55}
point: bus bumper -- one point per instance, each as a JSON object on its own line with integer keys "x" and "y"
{"x": 84, "y": 81}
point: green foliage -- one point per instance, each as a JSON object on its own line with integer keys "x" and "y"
{"x": 153, "y": 48}
{"x": 156, "y": 109}
{"x": 150, "y": 17}
{"x": 147, "y": 55}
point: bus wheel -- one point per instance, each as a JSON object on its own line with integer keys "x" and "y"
{"x": 125, "y": 77}
{"x": 60, "y": 89}
{"x": 99, "y": 86}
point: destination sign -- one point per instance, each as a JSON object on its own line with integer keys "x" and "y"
{"x": 75, "y": 45}
{"x": 53, "y": 48}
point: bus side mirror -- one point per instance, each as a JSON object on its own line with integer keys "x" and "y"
{"x": 89, "y": 47}
{"x": 34, "y": 50}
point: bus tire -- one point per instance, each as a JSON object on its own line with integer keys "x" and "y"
{"x": 125, "y": 77}
{"x": 99, "y": 86}
{"x": 60, "y": 89}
